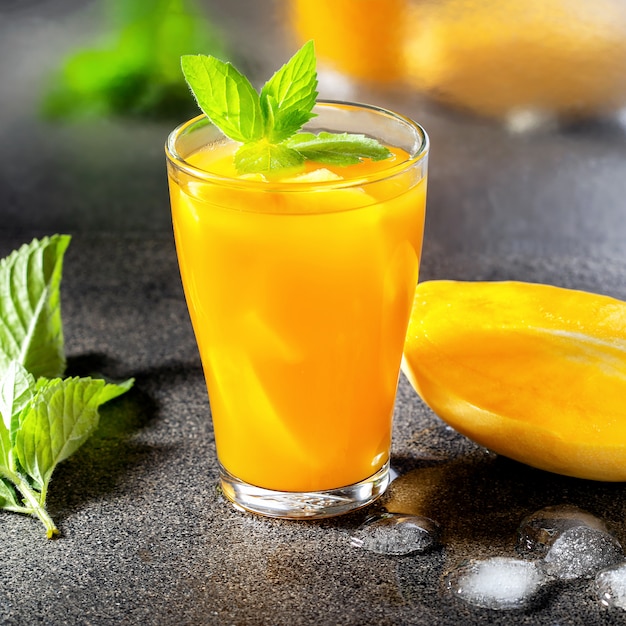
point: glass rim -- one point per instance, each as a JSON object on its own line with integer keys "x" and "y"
{"x": 181, "y": 164}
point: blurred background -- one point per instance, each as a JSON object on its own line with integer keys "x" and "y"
{"x": 521, "y": 62}
{"x": 524, "y": 102}
{"x": 504, "y": 59}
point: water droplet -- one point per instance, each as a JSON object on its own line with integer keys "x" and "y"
{"x": 497, "y": 583}
{"x": 581, "y": 552}
{"x": 538, "y": 531}
{"x": 610, "y": 586}
{"x": 397, "y": 534}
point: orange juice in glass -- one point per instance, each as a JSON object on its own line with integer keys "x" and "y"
{"x": 299, "y": 290}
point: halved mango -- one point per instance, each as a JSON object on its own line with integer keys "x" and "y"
{"x": 533, "y": 372}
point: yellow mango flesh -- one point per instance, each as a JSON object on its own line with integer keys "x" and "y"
{"x": 533, "y": 372}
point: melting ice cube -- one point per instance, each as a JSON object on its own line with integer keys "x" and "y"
{"x": 539, "y": 530}
{"x": 497, "y": 583}
{"x": 581, "y": 552}
{"x": 611, "y": 586}
{"x": 396, "y": 534}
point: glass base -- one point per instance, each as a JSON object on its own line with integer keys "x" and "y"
{"x": 304, "y": 505}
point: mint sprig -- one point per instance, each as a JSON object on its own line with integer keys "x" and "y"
{"x": 43, "y": 418}
{"x": 46, "y": 422}
{"x": 267, "y": 124}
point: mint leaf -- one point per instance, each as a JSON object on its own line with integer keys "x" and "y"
{"x": 15, "y": 393}
{"x": 60, "y": 418}
{"x": 5, "y": 448}
{"x": 30, "y": 307}
{"x": 288, "y": 97}
{"x": 8, "y": 497}
{"x": 226, "y": 96}
{"x": 17, "y": 388}
{"x": 264, "y": 157}
{"x": 337, "y": 149}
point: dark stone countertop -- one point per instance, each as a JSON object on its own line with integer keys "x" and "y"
{"x": 146, "y": 536}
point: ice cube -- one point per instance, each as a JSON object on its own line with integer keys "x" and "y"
{"x": 539, "y": 530}
{"x": 581, "y": 552}
{"x": 498, "y": 582}
{"x": 610, "y": 586}
{"x": 397, "y": 534}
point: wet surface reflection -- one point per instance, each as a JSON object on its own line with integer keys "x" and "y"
{"x": 493, "y": 551}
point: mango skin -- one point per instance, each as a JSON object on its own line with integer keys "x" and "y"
{"x": 533, "y": 372}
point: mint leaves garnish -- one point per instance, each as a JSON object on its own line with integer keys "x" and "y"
{"x": 44, "y": 418}
{"x": 267, "y": 123}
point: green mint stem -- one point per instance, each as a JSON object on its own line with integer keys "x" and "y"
{"x": 18, "y": 509}
{"x": 36, "y": 503}
{"x": 39, "y": 509}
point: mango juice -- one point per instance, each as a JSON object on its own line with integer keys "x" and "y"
{"x": 299, "y": 290}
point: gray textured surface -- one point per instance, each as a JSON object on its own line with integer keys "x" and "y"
{"x": 146, "y": 537}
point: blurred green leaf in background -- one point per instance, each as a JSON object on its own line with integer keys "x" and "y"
{"x": 135, "y": 70}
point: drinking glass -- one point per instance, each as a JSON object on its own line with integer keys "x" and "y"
{"x": 299, "y": 290}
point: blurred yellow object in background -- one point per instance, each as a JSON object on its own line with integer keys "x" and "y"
{"x": 496, "y": 57}
{"x": 359, "y": 38}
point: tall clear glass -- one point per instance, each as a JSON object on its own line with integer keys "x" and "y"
{"x": 299, "y": 291}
